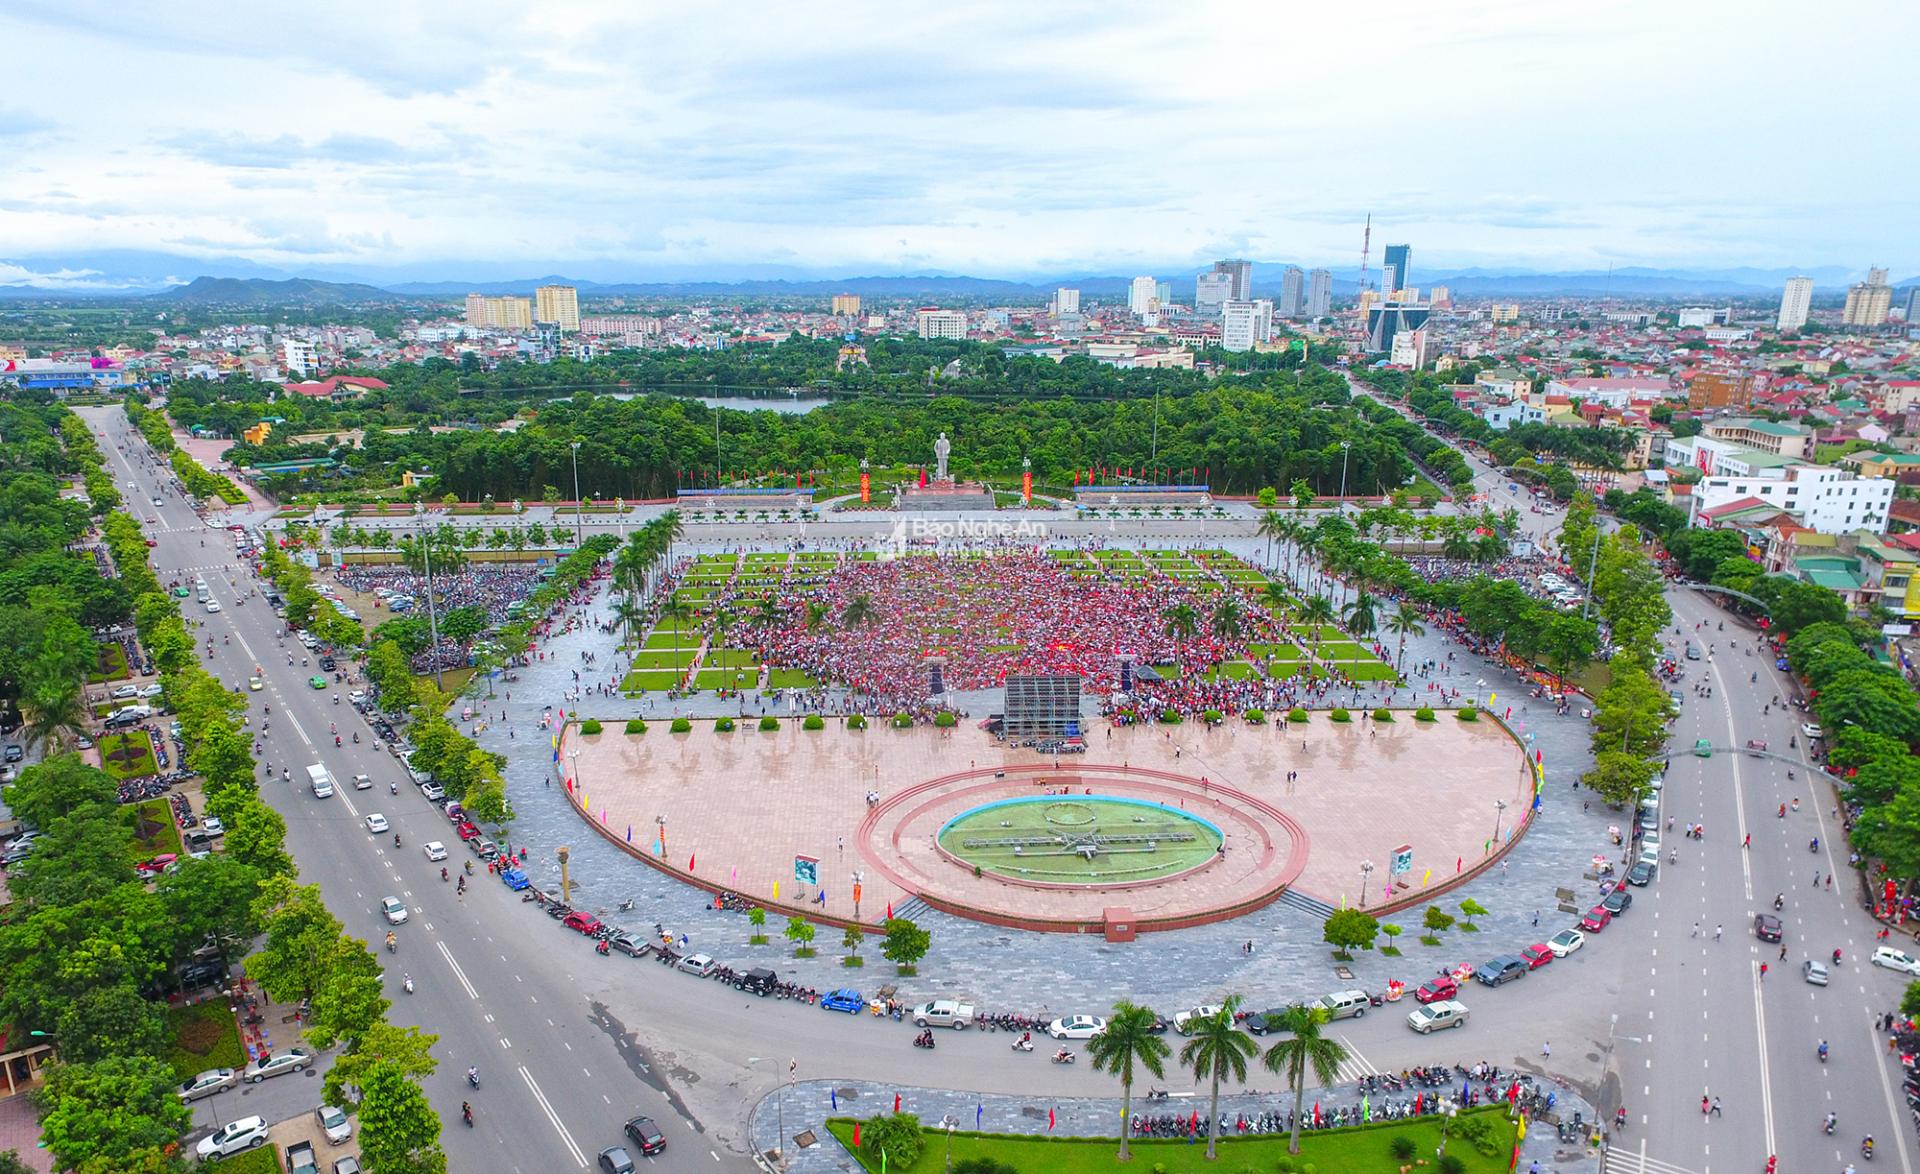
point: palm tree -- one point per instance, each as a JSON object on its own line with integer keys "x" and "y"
{"x": 1404, "y": 623}
{"x": 1180, "y": 622}
{"x": 1272, "y": 526}
{"x": 1458, "y": 543}
{"x": 1128, "y": 1040}
{"x": 629, "y": 614}
{"x": 1276, "y": 598}
{"x": 1217, "y": 1050}
{"x": 1307, "y": 541}
{"x": 1302, "y": 1047}
{"x": 1289, "y": 531}
{"x": 675, "y": 613}
{"x": 1225, "y": 620}
{"x": 1359, "y": 614}
{"x": 1317, "y": 610}
{"x": 816, "y": 615}
{"x": 768, "y": 611}
{"x": 858, "y": 612}
{"x": 51, "y": 706}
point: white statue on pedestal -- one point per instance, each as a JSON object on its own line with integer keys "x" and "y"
{"x": 941, "y": 448}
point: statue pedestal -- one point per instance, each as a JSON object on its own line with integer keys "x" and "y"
{"x": 946, "y": 495}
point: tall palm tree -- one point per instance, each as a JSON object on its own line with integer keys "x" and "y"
{"x": 629, "y": 614}
{"x": 1301, "y": 1047}
{"x": 1307, "y": 541}
{"x": 1458, "y": 543}
{"x": 1180, "y": 622}
{"x": 1226, "y": 619}
{"x": 1128, "y": 1040}
{"x": 1276, "y": 598}
{"x": 858, "y": 612}
{"x": 1404, "y": 623}
{"x": 767, "y": 610}
{"x": 1272, "y": 526}
{"x": 1218, "y": 1050}
{"x": 675, "y": 613}
{"x": 1290, "y": 529}
{"x": 1317, "y": 610}
{"x": 49, "y": 707}
{"x": 816, "y": 615}
{"x": 1359, "y": 614}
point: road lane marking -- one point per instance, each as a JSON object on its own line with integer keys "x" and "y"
{"x": 459, "y": 974}
{"x": 1893, "y": 1111}
{"x": 1766, "y": 1073}
{"x": 559, "y": 1127}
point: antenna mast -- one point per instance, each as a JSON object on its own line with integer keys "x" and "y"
{"x": 1366, "y": 250}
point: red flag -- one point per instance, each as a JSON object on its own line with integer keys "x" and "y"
{"x": 896, "y": 1102}
{"x": 1419, "y": 1104}
{"x": 689, "y": 864}
{"x": 923, "y": 476}
{"x": 1193, "y": 1125}
{"x": 1456, "y": 862}
{"x": 889, "y": 910}
{"x": 1049, "y": 1120}
{"x": 856, "y": 1135}
{"x": 1316, "y": 1114}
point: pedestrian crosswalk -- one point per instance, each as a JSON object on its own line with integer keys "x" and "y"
{"x": 1621, "y": 1160}
{"x": 1355, "y": 1065}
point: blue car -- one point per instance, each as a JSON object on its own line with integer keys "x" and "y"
{"x": 514, "y": 879}
{"x": 845, "y": 999}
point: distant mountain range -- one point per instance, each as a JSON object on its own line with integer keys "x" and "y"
{"x": 130, "y": 274}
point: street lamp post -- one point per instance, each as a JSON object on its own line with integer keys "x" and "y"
{"x": 579, "y": 522}
{"x": 1448, "y": 1110}
{"x": 950, "y": 1125}
{"x": 1366, "y": 874}
{"x": 1499, "y": 810}
{"x": 661, "y": 820}
{"x": 1345, "y": 445}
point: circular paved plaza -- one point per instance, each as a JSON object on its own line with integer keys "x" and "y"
{"x": 791, "y": 817}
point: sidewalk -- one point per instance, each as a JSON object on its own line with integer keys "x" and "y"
{"x": 20, "y": 1131}
{"x": 808, "y": 1104}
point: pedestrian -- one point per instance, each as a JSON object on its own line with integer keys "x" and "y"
{"x": 1783, "y": 953}
{"x": 1746, "y": 841}
{"x": 1536, "y": 917}
{"x": 1716, "y": 1106}
{"x": 1717, "y": 931}
{"x": 1696, "y": 930}
{"x": 1705, "y": 1105}
{"x": 1763, "y": 972}
{"x": 1546, "y": 1050}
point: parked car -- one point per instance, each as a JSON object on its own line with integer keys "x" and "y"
{"x": 432, "y": 791}
{"x": 1501, "y": 970}
{"x": 585, "y": 923}
{"x": 1597, "y": 919}
{"x": 278, "y": 1064}
{"x": 943, "y": 1013}
{"x": 1617, "y": 901}
{"x": 1436, "y": 990}
{"x": 1076, "y": 1027}
{"x": 628, "y": 944}
{"x": 1537, "y": 955}
{"x": 213, "y": 1080}
{"x": 1261, "y": 1022}
{"x": 1185, "y": 1021}
{"x": 1894, "y": 959}
{"x": 845, "y": 999}
{"x": 759, "y": 981}
{"x": 1642, "y": 873}
{"x": 698, "y": 965}
{"x": 1434, "y": 1016}
{"x": 334, "y": 1123}
{"x": 1811, "y": 730}
{"x": 232, "y": 1138}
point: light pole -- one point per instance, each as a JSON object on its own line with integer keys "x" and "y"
{"x": 1447, "y": 1112}
{"x": 1366, "y": 874}
{"x": 1499, "y": 810}
{"x": 579, "y": 523}
{"x": 433, "y": 621}
{"x": 950, "y": 1125}
{"x": 1345, "y": 446}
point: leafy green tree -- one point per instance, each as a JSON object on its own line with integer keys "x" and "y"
{"x": 1302, "y": 1049}
{"x": 896, "y": 1135}
{"x": 1875, "y": 700}
{"x": 301, "y": 937}
{"x": 256, "y": 835}
{"x": 406, "y": 1049}
{"x": 1218, "y": 1051}
{"x": 1129, "y": 1040}
{"x": 1470, "y": 909}
{"x": 1347, "y": 930}
{"x": 112, "y": 1020}
{"x": 757, "y": 918}
{"x": 1802, "y": 604}
{"x": 1437, "y": 920}
{"x": 1891, "y": 832}
{"x": 350, "y": 998}
{"x": 904, "y": 943}
{"x": 211, "y": 899}
{"x": 1618, "y": 777}
{"x": 800, "y": 932}
{"x": 109, "y": 1110}
{"x": 399, "y": 1131}
{"x": 224, "y": 757}
{"x": 61, "y": 786}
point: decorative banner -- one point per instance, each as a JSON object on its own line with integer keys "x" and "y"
{"x": 1026, "y": 487}
{"x": 806, "y": 869}
{"x": 866, "y": 488}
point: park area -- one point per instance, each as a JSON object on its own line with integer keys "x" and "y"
{"x": 869, "y": 622}
{"x": 1368, "y": 1149}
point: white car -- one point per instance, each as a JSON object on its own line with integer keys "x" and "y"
{"x": 436, "y": 850}
{"x": 1566, "y": 942}
{"x": 1810, "y": 730}
{"x": 698, "y": 965}
{"x": 1894, "y": 959}
{"x": 153, "y": 690}
{"x": 431, "y": 790}
{"x": 1434, "y": 1016}
{"x": 231, "y": 1138}
{"x": 278, "y": 1064}
{"x": 126, "y": 691}
{"x": 335, "y": 1123}
{"x": 376, "y": 823}
{"x": 363, "y": 782}
{"x": 212, "y": 826}
{"x": 1076, "y": 1027}
{"x": 393, "y": 910}
{"x": 1184, "y": 1022}
{"x": 213, "y": 605}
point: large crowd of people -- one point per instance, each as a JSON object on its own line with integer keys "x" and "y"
{"x": 495, "y": 587}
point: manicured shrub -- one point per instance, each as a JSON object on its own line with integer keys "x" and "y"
{"x": 1255, "y": 716}
{"x": 902, "y": 720}
{"x": 769, "y": 722}
{"x": 1423, "y": 714}
{"x": 1469, "y": 714}
{"x": 946, "y": 719}
{"x": 1383, "y": 714}
{"x": 681, "y": 725}
{"x": 723, "y": 725}
{"x": 1170, "y": 718}
{"x": 813, "y": 722}
{"x": 857, "y": 721}
{"x": 636, "y": 726}
{"x": 1340, "y": 715}
{"x": 1211, "y": 717}
{"x": 1296, "y": 714}
{"x": 590, "y": 726}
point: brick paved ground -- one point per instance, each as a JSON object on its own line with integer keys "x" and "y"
{"x": 1021, "y": 971}
{"x": 20, "y": 1131}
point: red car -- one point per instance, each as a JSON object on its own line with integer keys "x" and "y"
{"x": 467, "y": 831}
{"x": 1537, "y": 955}
{"x": 585, "y": 923}
{"x": 155, "y": 866}
{"x": 1597, "y": 919}
{"x": 1437, "y": 989}
{"x": 152, "y": 542}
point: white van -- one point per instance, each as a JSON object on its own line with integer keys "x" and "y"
{"x": 320, "y": 781}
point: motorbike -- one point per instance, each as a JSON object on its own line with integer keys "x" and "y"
{"x": 406, "y": 983}
{"x": 1832, "y": 1122}
{"x": 393, "y": 944}
{"x": 466, "y": 1113}
{"x": 1023, "y": 1045}
{"x": 336, "y": 739}
{"x": 1823, "y": 1051}
{"x": 356, "y": 737}
{"x": 396, "y": 839}
{"x": 1156, "y": 1094}
{"x": 1063, "y": 1056}
{"x": 394, "y": 789}
{"x": 1866, "y": 1147}
{"x": 924, "y": 1039}
{"x": 1779, "y": 902}
{"x": 473, "y": 1077}
{"x": 603, "y": 950}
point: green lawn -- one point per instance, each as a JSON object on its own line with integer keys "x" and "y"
{"x": 1341, "y": 650}
{"x": 1368, "y": 670}
{"x": 664, "y": 659}
{"x": 110, "y": 665}
{"x": 165, "y": 838}
{"x": 731, "y": 658}
{"x": 1280, "y": 652}
{"x": 137, "y": 747}
{"x": 652, "y": 679}
{"x": 1232, "y": 670}
{"x": 203, "y": 1036}
{"x": 727, "y": 678}
{"x": 268, "y": 1159}
{"x": 790, "y": 679}
{"x": 668, "y": 638}
{"x": 1362, "y": 1150}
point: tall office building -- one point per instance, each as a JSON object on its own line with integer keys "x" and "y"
{"x": 1869, "y": 301}
{"x": 1441, "y": 298}
{"x": 1795, "y": 302}
{"x": 1913, "y": 305}
{"x": 1143, "y": 299}
{"x": 508, "y": 313}
{"x": 934, "y": 322}
{"x": 1246, "y": 324}
{"x": 846, "y": 305}
{"x": 1293, "y": 291}
{"x": 1393, "y": 271}
{"x": 1241, "y": 274}
{"x": 558, "y": 304}
{"x": 1211, "y": 290}
{"x": 1319, "y": 293}
{"x": 1066, "y": 301}
{"x": 1163, "y": 293}
{"x": 476, "y": 309}
{"x": 1389, "y": 319}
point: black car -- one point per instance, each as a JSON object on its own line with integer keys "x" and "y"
{"x": 327, "y": 663}
{"x": 14, "y": 753}
{"x": 1261, "y": 1022}
{"x": 1766, "y": 927}
{"x": 628, "y": 944}
{"x": 1642, "y": 873}
{"x": 1617, "y": 901}
{"x": 759, "y": 981}
{"x": 645, "y": 1134}
{"x": 1505, "y": 968}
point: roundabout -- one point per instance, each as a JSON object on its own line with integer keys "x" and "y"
{"x": 1100, "y": 840}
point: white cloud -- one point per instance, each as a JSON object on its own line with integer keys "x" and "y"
{"x": 995, "y": 138}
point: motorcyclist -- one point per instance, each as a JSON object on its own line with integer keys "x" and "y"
{"x": 473, "y": 1077}
{"x": 393, "y": 788}
{"x": 1832, "y": 1121}
{"x": 406, "y": 981}
{"x": 443, "y": 874}
{"x": 356, "y": 737}
{"x": 466, "y": 1112}
{"x": 1823, "y": 1051}
{"x": 392, "y": 940}
{"x": 396, "y": 839}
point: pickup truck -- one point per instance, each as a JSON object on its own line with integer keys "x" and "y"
{"x": 943, "y": 1013}
{"x": 300, "y": 1159}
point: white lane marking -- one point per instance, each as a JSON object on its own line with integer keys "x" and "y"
{"x": 1766, "y": 1074}
{"x": 1893, "y": 1111}
{"x": 459, "y": 974}
{"x": 546, "y": 1107}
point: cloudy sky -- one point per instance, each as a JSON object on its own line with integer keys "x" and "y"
{"x": 620, "y": 139}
